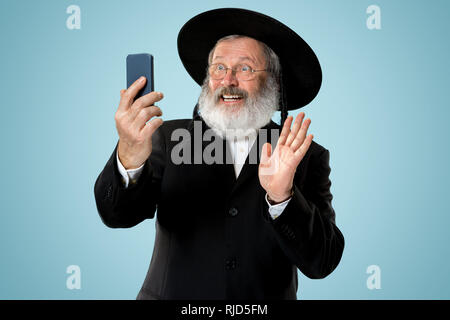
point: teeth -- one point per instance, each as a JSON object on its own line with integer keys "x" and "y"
{"x": 231, "y": 97}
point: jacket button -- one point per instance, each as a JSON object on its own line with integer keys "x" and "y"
{"x": 230, "y": 264}
{"x": 233, "y": 212}
{"x": 108, "y": 193}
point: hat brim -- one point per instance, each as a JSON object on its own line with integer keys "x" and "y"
{"x": 301, "y": 71}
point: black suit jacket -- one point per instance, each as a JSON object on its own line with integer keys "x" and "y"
{"x": 215, "y": 238}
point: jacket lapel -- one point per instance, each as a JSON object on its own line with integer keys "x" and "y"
{"x": 251, "y": 165}
{"x": 224, "y": 171}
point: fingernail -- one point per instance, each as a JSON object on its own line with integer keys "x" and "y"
{"x": 141, "y": 79}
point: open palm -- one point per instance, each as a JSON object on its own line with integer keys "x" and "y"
{"x": 277, "y": 169}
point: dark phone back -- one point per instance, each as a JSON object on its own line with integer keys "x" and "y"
{"x": 138, "y": 65}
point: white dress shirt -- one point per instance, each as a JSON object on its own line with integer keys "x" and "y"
{"x": 239, "y": 149}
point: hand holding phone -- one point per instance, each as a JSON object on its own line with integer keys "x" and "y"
{"x": 134, "y": 121}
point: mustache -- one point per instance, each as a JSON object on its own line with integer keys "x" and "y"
{"x": 232, "y": 91}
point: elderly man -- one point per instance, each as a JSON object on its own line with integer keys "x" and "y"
{"x": 235, "y": 229}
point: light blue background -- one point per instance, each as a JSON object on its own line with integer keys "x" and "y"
{"x": 382, "y": 112}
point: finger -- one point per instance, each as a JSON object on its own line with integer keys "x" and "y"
{"x": 295, "y": 128}
{"x": 266, "y": 152}
{"x": 122, "y": 105}
{"x": 151, "y": 126}
{"x": 300, "y": 153}
{"x": 285, "y": 131}
{"x": 130, "y": 93}
{"x": 146, "y": 114}
{"x": 147, "y": 100}
{"x": 301, "y": 135}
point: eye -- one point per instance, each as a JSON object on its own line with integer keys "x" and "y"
{"x": 220, "y": 67}
{"x": 245, "y": 68}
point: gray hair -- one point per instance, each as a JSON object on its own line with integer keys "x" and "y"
{"x": 272, "y": 60}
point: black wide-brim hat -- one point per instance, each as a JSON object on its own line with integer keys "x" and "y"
{"x": 301, "y": 72}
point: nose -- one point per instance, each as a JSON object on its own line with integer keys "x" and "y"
{"x": 230, "y": 79}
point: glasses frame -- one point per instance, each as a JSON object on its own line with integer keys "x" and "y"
{"x": 233, "y": 69}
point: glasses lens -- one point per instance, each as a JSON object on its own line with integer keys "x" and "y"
{"x": 217, "y": 71}
{"x": 245, "y": 75}
{"x": 244, "y": 72}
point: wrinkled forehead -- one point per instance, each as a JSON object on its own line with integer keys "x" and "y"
{"x": 241, "y": 48}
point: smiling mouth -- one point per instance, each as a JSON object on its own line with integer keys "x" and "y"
{"x": 231, "y": 98}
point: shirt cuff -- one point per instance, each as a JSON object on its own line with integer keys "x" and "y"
{"x": 277, "y": 209}
{"x": 128, "y": 176}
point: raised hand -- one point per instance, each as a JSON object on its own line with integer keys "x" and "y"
{"x": 135, "y": 133}
{"x": 276, "y": 170}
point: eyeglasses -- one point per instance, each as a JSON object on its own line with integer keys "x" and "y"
{"x": 218, "y": 71}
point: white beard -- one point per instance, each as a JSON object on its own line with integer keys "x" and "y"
{"x": 239, "y": 121}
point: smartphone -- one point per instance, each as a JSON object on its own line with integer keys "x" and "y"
{"x": 140, "y": 64}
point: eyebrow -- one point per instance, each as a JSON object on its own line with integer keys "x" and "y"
{"x": 240, "y": 58}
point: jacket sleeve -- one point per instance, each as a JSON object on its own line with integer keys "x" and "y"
{"x": 306, "y": 229}
{"x": 125, "y": 207}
